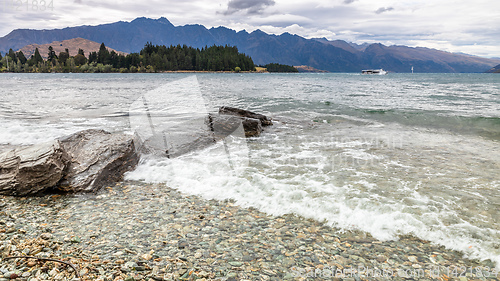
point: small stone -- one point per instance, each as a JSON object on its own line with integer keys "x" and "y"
{"x": 268, "y": 272}
{"x": 75, "y": 239}
{"x": 31, "y": 263}
{"x": 412, "y": 259}
{"x": 185, "y": 275}
{"x": 147, "y": 257}
{"x": 203, "y": 274}
{"x": 287, "y": 262}
{"x": 182, "y": 244}
{"x": 381, "y": 259}
{"x": 129, "y": 278}
{"x": 235, "y": 263}
{"x": 46, "y": 236}
{"x": 124, "y": 269}
{"x": 84, "y": 271}
{"x": 53, "y": 272}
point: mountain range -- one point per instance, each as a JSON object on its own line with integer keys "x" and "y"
{"x": 319, "y": 53}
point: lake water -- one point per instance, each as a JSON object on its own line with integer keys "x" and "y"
{"x": 391, "y": 155}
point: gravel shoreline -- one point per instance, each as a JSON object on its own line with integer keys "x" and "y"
{"x": 136, "y": 231}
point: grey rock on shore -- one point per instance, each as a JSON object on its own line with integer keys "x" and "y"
{"x": 97, "y": 158}
{"x": 33, "y": 169}
{"x": 82, "y": 162}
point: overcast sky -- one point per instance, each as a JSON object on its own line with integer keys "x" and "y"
{"x": 471, "y": 27}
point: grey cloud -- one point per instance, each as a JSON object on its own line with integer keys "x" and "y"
{"x": 383, "y": 10}
{"x": 348, "y": 1}
{"x": 35, "y": 17}
{"x": 250, "y": 6}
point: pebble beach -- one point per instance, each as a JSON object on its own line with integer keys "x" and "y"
{"x": 137, "y": 231}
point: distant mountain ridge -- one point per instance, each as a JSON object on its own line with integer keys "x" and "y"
{"x": 495, "y": 69}
{"x": 60, "y": 46}
{"x": 334, "y": 56}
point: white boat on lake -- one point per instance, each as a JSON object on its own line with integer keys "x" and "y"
{"x": 374, "y": 71}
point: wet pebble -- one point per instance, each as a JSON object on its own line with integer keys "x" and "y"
{"x": 150, "y": 232}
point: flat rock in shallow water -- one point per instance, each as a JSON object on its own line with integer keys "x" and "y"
{"x": 192, "y": 135}
{"x": 33, "y": 169}
{"x": 266, "y": 121}
{"x": 97, "y": 158}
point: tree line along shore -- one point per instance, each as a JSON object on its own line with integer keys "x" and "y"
{"x": 151, "y": 59}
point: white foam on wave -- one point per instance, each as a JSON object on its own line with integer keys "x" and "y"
{"x": 26, "y": 132}
{"x": 276, "y": 187}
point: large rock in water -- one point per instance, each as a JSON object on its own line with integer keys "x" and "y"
{"x": 252, "y": 122}
{"x": 97, "y": 158}
{"x": 191, "y": 135}
{"x": 33, "y": 169}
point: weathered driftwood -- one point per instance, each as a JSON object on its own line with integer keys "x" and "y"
{"x": 33, "y": 169}
{"x": 97, "y": 158}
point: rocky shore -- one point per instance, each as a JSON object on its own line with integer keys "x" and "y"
{"x": 86, "y": 161}
{"x": 136, "y": 231}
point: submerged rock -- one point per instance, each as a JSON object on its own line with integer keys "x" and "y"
{"x": 97, "y": 158}
{"x": 266, "y": 121}
{"x": 33, "y": 169}
{"x": 252, "y": 122}
{"x": 252, "y": 127}
{"x": 182, "y": 137}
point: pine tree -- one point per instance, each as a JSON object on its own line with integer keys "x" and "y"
{"x": 103, "y": 55}
{"x": 12, "y": 55}
{"x": 92, "y": 57}
{"x": 52, "y": 56}
{"x": 37, "y": 58}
